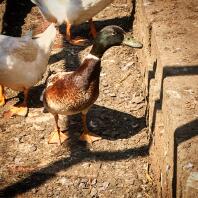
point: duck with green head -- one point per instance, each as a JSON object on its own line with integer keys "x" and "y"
{"x": 69, "y": 93}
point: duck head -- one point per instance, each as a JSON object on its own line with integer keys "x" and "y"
{"x": 112, "y": 36}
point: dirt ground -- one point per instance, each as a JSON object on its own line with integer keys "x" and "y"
{"x": 115, "y": 166}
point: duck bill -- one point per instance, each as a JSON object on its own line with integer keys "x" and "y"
{"x": 131, "y": 42}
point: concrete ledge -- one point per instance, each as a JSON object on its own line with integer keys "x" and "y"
{"x": 169, "y": 60}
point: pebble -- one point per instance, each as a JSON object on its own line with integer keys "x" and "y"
{"x": 84, "y": 180}
{"x": 33, "y": 148}
{"x": 94, "y": 182}
{"x": 26, "y": 148}
{"x": 103, "y": 74}
{"x": 38, "y": 128}
{"x": 112, "y": 94}
{"x": 82, "y": 185}
{"x": 104, "y": 186}
{"x": 17, "y": 160}
{"x": 93, "y": 192}
{"x": 145, "y": 181}
{"x": 93, "y": 124}
{"x": 188, "y": 166}
{"x": 135, "y": 107}
{"x": 106, "y": 91}
{"x": 135, "y": 125}
{"x": 76, "y": 182}
{"x": 122, "y": 95}
{"x": 86, "y": 164}
{"x": 64, "y": 181}
{"x": 138, "y": 99}
{"x": 34, "y": 190}
{"x": 21, "y": 139}
{"x": 139, "y": 195}
{"x": 128, "y": 65}
{"x": 105, "y": 84}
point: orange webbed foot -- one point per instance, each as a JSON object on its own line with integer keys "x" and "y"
{"x": 2, "y": 96}
{"x": 20, "y": 110}
{"x": 2, "y": 101}
{"x": 56, "y": 138}
{"x": 79, "y": 41}
{"x": 89, "y": 137}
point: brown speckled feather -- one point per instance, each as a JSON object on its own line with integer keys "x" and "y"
{"x": 70, "y": 93}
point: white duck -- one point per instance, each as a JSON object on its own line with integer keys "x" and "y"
{"x": 23, "y": 61}
{"x": 72, "y": 12}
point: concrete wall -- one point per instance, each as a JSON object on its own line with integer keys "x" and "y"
{"x": 169, "y": 62}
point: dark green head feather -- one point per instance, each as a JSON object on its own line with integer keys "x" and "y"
{"x": 112, "y": 36}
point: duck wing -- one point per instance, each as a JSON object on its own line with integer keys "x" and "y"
{"x": 18, "y": 62}
{"x": 17, "y": 49}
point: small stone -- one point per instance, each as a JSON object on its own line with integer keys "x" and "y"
{"x": 112, "y": 94}
{"x": 84, "y": 180}
{"x": 42, "y": 190}
{"x": 135, "y": 107}
{"x": 93, "y": 192}
{"x": 103, "y": 74}
{"x": 92, "y": 124}
{"x": 138, "y": 99}
{"x": 139, "y": 195}
{"x": 176, "y": 50}
{"x": 64, "y": 181}
{"x": 145, "y": 181}
{"x": 42, "y": 137}
{"x": 38, "y": 128}
{"x": 188, "y": 166}
{"x": 21, "y": 139}
{"x": 104, "y": 186}
{"x": 135, "y": 125}
{"x": 33, "y": 148}
{"x": 128, "y": 65}
{"x": 17, "y": 160}
{"x": 122, "y": 95}
{"x": 94, "y": 181}
{"x": 76, "y": 182}
{"x": 82, "y": 185}
{"x": 105, "y": 84}
{"x": 106, "y": 91}
{"x": 34, "y": 190}
{"x": 86, "y": 164}
{"x": 26, "y": 148}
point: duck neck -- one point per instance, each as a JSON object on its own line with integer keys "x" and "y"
{"x": 89, "y": 71}
{"x": 98, "y": 50}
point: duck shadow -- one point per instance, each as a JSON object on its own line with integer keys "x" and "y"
{"x": 35, "y": 96}
{"x": 107, "y": 123}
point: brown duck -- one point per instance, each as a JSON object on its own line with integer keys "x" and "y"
{"x": 69, "y": 93}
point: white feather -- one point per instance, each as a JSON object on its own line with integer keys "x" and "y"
{"x": 72, "y": 11}
{"x": 23, "y": 60}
